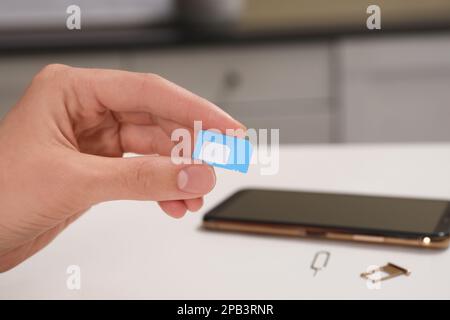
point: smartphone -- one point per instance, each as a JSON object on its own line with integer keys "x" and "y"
{"x": 375, "y": 219}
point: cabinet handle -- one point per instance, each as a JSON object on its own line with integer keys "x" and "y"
{"x": 232, "y": 79}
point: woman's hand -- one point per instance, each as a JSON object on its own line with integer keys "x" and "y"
{"x": 61, "y": 151}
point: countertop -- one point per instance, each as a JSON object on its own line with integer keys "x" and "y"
{"x": 129, "y": 249}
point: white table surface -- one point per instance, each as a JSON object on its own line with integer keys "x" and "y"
{"x": 128, "y": 249}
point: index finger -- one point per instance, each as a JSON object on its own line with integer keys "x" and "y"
{"x": 124, "y": 91}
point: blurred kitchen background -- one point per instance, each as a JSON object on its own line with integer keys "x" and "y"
{"x": 308, "y": 67}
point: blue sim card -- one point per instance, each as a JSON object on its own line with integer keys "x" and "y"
{"x": 223, "y": 151}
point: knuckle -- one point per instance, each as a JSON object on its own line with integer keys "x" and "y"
{"x": 52, "y": 73}
{"x": 154, "y": 77}
{"x": 153, "y": 80}
{"x": 148, "y": 80}
{"x": 141, "y": 179}
{"x": 53, "y": 70}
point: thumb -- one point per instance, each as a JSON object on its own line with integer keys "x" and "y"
{"x": 147, "y": 178}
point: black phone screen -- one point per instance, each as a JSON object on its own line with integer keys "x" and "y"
{"x": 406, "y": 215}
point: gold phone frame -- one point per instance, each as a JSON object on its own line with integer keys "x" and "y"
{"x": 322, "y": 233}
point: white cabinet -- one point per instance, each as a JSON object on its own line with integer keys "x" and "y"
{"x": 395, "y": 89}
{"x": 283, "y": 87}
{"x": 375, "y": 89}
{"x": 264, "y": 86}
{"x": 262, "y": 72}
{"x": 298, "y": 121}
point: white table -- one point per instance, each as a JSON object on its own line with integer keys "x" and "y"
{"x": 132, "y": 250}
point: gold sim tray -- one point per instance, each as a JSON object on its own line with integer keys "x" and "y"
{"x": 391, "y": 270}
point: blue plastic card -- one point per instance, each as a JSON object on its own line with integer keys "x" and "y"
{"x": 223, "y": 151}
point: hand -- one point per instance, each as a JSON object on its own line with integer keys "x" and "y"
{"x": 61, "y": 151}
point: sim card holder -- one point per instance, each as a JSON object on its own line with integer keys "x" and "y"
{"x": 391, "y": 270}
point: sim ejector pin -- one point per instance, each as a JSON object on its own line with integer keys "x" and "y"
{"x": 320, "y": 261}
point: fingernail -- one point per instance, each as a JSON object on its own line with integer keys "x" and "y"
{"x": 196, "y": 179}
{"x": 244, "y": 127}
